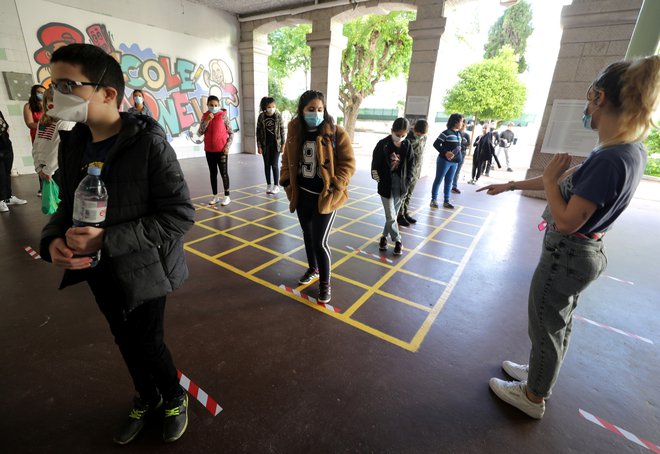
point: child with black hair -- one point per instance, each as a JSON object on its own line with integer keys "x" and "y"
{"x": 218, "y": 136}
{"x": 392, "y": 166}
{"x": 317, "y": 166}
{"x": 270, "y": 140}
{"x": 139, "y": 106}
{"x": 448, "y": 145}
{"x": 417, "y": 138}
{"x": 141, "y": 240}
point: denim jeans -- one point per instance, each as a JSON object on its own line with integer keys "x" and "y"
{"x": 567, "y": 266}
{"x": 392, "y": 206}
{"x": 443, "y": 169}
{"x": 458, "y": 171}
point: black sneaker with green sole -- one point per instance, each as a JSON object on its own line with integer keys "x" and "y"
{"x": 135, "y": 421}
{"x": 176, "y": 418}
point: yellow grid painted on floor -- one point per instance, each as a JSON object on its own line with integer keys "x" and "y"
{"x": 366, "y": 202}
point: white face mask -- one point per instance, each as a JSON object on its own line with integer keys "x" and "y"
{"x": 396, "y": 139}
{"x": 270, "y": 110}
{"x": 69, "y": 107}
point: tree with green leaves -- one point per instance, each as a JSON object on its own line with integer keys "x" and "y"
{"x": 379, "y": 48}
{"x": 512, "y": 29}
{"x": 290, "y": 53}
{"x": 489, "y": 89}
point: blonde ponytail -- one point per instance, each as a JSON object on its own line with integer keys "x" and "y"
{"x": 633, "y": 88}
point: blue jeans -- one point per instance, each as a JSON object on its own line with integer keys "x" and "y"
{"x": 458, "y": 171}
{"x": 443, "y": 169}
{"x": 392, "y": 206}
{"x": 567, "y": 266}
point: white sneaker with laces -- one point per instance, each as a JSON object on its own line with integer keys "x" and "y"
{"x": 215, "y": 200}
{"x": 514, "y": 393}
{"x": 13, "y": 200}
{"x": 269, "y": 189}
{"x": 515, "y": 370}
{"x": 225, "y": 201}
{"x": 3, "y": 207}
{"x": 275, "y": 190}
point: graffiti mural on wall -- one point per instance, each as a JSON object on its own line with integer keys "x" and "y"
{"x": 174, "y": 90}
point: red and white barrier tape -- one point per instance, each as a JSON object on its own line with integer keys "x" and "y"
{"x": 376, "y": 256}
{"x": 310, "y": 299}
{"x": 621, "y": 432}
{"x": 32, "y": 252}
{"x": 618, "y": 280}
{"x": 611, "y": 328}
{"x": 199, "y": 394}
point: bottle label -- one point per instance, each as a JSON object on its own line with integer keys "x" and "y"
{"x": 89, "y": 211}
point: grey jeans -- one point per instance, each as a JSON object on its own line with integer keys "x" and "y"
{"x": 392, "y": 206}
{"x": 567, "y": 266}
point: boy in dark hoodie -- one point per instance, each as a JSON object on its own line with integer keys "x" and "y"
{"x": 141, "y": 240}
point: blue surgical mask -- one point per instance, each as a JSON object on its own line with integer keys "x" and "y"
{"x": 313, "y": 119}
{"x": 214, "y": 110}
{"x": 40, "y": 96}
{"x": 586, "y": 121}
{"x": 139, "y": 100}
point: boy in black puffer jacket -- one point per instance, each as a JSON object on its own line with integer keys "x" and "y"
{"x": 141, "y": 240}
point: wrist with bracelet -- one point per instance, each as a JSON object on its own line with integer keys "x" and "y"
{"x": 512, "y": 185}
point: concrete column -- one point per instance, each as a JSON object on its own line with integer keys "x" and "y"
{"x": 647, "y": 32}
{"x": 254, "y": 77}
{"x": 596, "y": 33}
{"x": 426, "y": 32}
{"x": 327, "y": 43}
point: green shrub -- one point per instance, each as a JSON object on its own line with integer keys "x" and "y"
{"x": 652, "y": 144}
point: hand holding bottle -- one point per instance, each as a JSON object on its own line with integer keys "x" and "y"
{"x": 61, "y": 255}
{"x": 84, "y": 240}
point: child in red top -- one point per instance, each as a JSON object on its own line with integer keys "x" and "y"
{"x": 218, "y": 136}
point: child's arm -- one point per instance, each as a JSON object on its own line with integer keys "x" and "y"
{"x": 376, "y": 156}
{"x": 172, "y": 212}
{"x": 284, "y": 171}
{"x": 206, "y": 119}
{"x": 230, "y": 132}
{"x": 344, "y": 160}
{"x": 281, "y": 128}
{"x": 27, "y": 117}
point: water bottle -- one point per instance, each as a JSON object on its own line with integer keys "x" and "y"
{"x": 90, "y": 204}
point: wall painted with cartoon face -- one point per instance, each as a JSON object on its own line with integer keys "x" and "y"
{"x": 176, "y": 72}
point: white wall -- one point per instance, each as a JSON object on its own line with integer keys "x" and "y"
{"x": 176, "y": 29}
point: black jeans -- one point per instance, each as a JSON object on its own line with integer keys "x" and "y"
{"x": 139, "y": 336}
{"x": 316, "y": 228}
{"x": 6, "y": 161}
{"x": 271, "y": 163}
{"x": 215, "y": 161}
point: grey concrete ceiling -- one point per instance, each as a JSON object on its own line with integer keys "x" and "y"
{"x": 251, "y": 7}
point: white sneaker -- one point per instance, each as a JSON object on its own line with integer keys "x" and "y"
{"x": 225, "y": 201}
{"x": 514, "y": 393}
{"x": 269, "y": 189}
{"x": 3, "y": 207}
{"x": 517, "y": 371}
{"x": 275, "y": 190}
{"x": 215, "y": 200}
{"x": 13, "y": 200}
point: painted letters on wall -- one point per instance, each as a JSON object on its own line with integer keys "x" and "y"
{"x": 176, "y": 80}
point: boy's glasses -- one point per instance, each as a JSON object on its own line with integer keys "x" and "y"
{"x": 66, "y": 86}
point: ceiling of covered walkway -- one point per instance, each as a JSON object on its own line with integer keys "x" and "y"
{"x": 252, "y": 7}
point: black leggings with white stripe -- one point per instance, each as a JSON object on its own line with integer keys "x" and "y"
{"x": 316, "y": 228}
{"x": 218, "y": 160}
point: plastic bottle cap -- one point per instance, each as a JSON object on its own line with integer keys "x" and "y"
{"x": 92, "y": 170}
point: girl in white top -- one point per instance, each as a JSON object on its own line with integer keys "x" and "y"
{"x": 47, "y": 140}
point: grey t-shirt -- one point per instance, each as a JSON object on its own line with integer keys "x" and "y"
{"x": 608, "y": 178}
